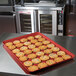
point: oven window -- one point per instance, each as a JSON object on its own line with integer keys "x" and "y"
{"x": 46, "y": 23}
{"x": 25, "y": 20}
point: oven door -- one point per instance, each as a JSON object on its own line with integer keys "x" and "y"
{"x": 47, "y": 22}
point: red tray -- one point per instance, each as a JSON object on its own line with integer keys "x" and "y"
{"x": 25, "y": 36}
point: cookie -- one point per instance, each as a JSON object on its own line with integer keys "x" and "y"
{"x": 31, "y": 46}
{"x": 42, "y": 65}
{"x": 47, "y": 51}
{"x": 31, "y": 56}
{"x": 20, "y": 54}
{"x": 45, "y": 57}
{"x": 16, "y": 51}
{"x": 38, "y": 36}
{"x": 36, "y": 50}
{"x": 36, "y": 60}
{"x": 50, "y": 62}
{"x": 23, "y": 40}
{"x": 27, "y": 43}
{"x": 58, "y": 59}
{"x": 16, "y": 42}
{"x": 23, "y": 48}
{"x": 65, "y": 57}
{"x": 50, "y": 45}
{"x": 55, "y": 49}
{"x": 27, "y": 51}
{"x": 52, "y": 55}
{"x": 38, "y": 43}
{"x": 61, "y": 53}
{"x": 33, "y": 41}
{"x": 19, "y": 45}
{"x": 30, "y": 38}
{"x": 23, "y": 58}
{"x": 11, "y": 47}
{"x": 33, "y": 68}
{"x": 41, "y": 39}
{"x": 46, "y": 42}
{"x": 43, "y": 47}
{"x": 8, "y": 43}
{"x": 40, "y": 53}
{"x": 28, "y": 63}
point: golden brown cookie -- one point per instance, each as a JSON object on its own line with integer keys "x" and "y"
{"x": 58, "y": 59}
{"x": 52, "y": 55}
{"x": 23, "y": 40}
{"x": 42, "y": 65}
{"x": 20, "y": 54}
{"x": 36, "y": 60}
{"x": 45, "y": 57}
{"x": 40, "y": 53}
{"x": 31, "y": 56}
{"x": 23, "y": 58}
{"x": 43, "y": 47}
{"x": 36, "y": 50}
{"x": 16, "y": 42}
{"x": 50, "y": 45}
{"x": 30, "y": 38}
{"x": 16, "y": 51}
{"x": 47, "y": 51}
{"x": 33, "y": 68}
{"x": 38, "y": 43}
{"x": 41, "y": 39}
{"x": 31, "y": 46}
{"x": 19, "y": 45}
{"x": 50, "y": 62}
{"x": 38, "y": 36}
{"x": 65, "y": 57}
{"x": 33, "y": 41}
{"x": 28, "y": 63}
{"x": 46, "y": 42}
{"x": 23, "y": 48}
{"x": 11, "y": 47}
{"x": 27, "y": 43}
{"x": 8, "y": 43}
{"x": 28, "y": 51}
{"x": 55, "y": 49}
{"x": 61, "y": 53}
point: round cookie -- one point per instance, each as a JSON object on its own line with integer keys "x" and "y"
{"x": 27, "y": 51}
{"x": 8, "y": 43}
{"x": 33, "y": 41}
{"x": 11, "y": 47}
{"x": 23, "y": 48}
{"x": 52, "y": 55}
{"x": 27, "y": 43}
{"x": 23, "y": 58}
{"x": 55, "y": 49}
{"x": 38, "y": 36}
{"x": 36, "y": 50}
{"x": 65, "y": 57}
{"x": 41, "y": 39}
{"x": 46, "y": 42}
{"x": 28, "y": 63}
{"x": 42, "y": 65}
{"x": 23, "y": 40}
{"x": 30, "y": 38}
{"x": 50, "y": 62}
{"x": 38, "y": 43}
{"x": 19, "y": 45}
{"x": 20, "y": 54}
{"x": 36, "y": 60}
{"x": 43, "y": 47}
{"x": 40, "y": 53}
{"x": 45, "y": 57}
{"x": 33, "y": 68}
{"x": 31, "y": 56}
{"x": 47, "y": 51}
{"x": 16, "y": 51}
{"x": 50, "y": 45}
{"x": 58, "y": 59}
{"x": 31, "y": 46}
{"x": 16, "y": 42}
{"x": 61, "y": 53}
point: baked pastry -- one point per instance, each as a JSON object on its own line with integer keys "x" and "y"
{"x": 40, "y": 53}
{"x": 33, "y": 41}
{"x": 47, "y": 51}
{"x": 28, "y": 63}
{"x": 52, "y": 55}
{"x": 41, "y": 39}
{"x": 31, "y": 56}
{"x": 11, "y": 47}
{"x": 46, "y": 42}
{"x": 55, "y": 49}
{"x": 27, "y": 51}
{"x": 58, "y": 59}
{"x": 45, "y": 57}
{"x": 61, "y": 53}
{"x": 20, "y": 54}
{"x": 38, "y": 36}
{"x": 50, "y": 45}
{"x": 16, "y": 51}
{"x": 16, "y": 42}
{"x": 33, "y": 68}
{"x": 31, "y": 46}
{"x": 42, "y": 65}
{"x": 8, "y": 43}
{"x": 19, "y": 45}
{"x": 65, "y": 57}
{"x": 43, "y": 47}
{"x": 23, "y": 40}
{"x": 27, "y": 43}
{"x": 36, "y": 60}
{"x": 38, "y": 43}
{"x": 23, "y": 48}
{"x": 36, "y": 50}
{"x": 50, "y": 62}
{"x": 30, "y": 38}
{"x": 23, "y": 58}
